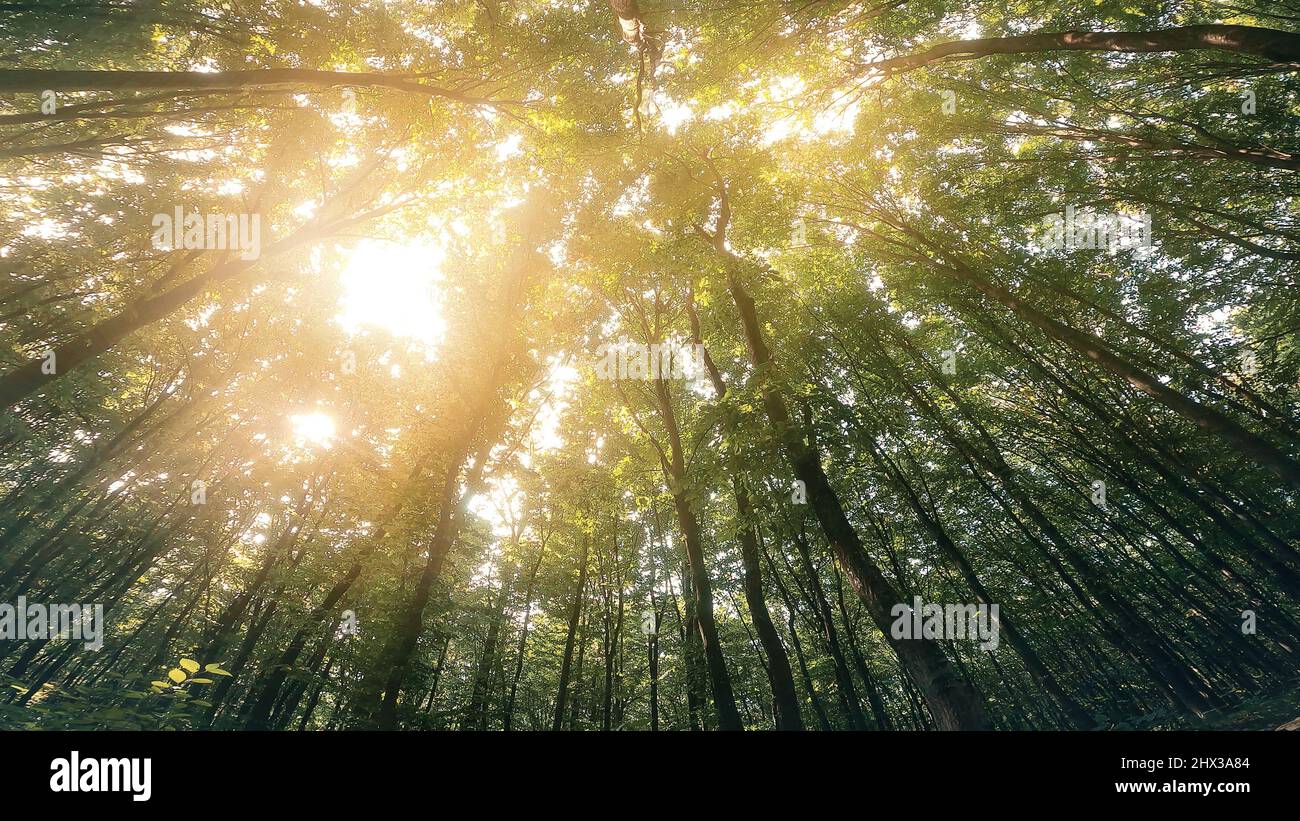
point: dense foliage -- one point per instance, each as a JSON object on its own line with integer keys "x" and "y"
{"x": 379, "y": 475}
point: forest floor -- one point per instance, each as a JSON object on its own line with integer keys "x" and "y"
{"x": 1277, "y": 709}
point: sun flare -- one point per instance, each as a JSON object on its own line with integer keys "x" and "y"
{"x": 313, "y": 429}
{"x": 394, "y": 287}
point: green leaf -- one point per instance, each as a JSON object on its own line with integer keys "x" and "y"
{"x": 190, "y": 665}
{"x": 215, "y": 670}
{"x": 201, "y": 680}
{"x": 161, "y": 684}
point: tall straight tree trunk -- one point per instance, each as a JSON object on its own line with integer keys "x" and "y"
{"x": 1077, "y": 715}
{"x": 652, "y": 652}
{"x": 816, "y": 597}
{"x": 724, "y": 699}
{"x": 869, "y": 681}
{"x": 381, "y": 690}
{"x": 785, "y": 701}
{"x": 952, "y": 702}
{"x": 575, "y": 613}
{"x": 476, "y": 714}
{"x": 261, "y": 706}
{"x": 575, "y": 708}
{"x": 509, "y": 712}
{"x": 792, "y": 613}
{"x": 693, "y": 654}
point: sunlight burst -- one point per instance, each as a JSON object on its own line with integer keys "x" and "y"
{"x": 394, "y": 287}
{"x": 313, "y": 429}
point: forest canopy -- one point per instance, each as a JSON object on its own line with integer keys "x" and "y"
{"x": 694, "y": 365}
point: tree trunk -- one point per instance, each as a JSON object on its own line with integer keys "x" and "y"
{"x": 1271, "y": 44}
{"x": 953, "y": 703}
{"x": 575, "y": 612}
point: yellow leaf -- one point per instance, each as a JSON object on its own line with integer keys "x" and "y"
{"x": 214, "y": 669}
{"x": 161, "y": 684}
{"x": 190, "y": 665}
{"x": 175, "y": 675}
